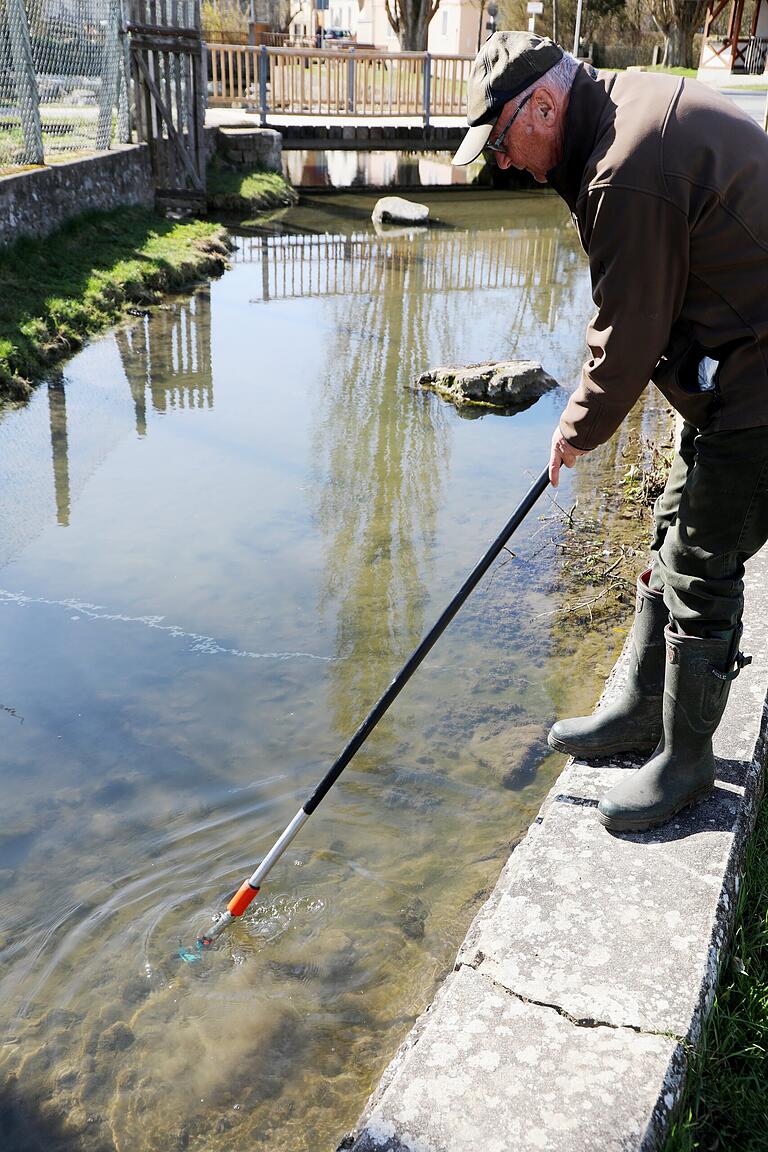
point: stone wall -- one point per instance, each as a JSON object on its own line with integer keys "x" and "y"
{"x": 37, "y": 202}
{"x": 250, "y": 148}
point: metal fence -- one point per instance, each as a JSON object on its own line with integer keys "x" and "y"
{"x": 63, "y": 86}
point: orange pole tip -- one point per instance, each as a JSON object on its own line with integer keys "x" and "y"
{"x": 241, "y": 899}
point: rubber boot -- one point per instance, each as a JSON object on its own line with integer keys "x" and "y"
{"x": 697, "y": 682}
{"x": 633, "y": 722}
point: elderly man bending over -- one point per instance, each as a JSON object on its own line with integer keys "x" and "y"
{"x": 667, "y": 183}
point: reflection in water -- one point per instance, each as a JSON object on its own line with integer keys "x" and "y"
{"x": 381, "y": 466}
{"x": 232, "y": 593}
{"x": 343, "y": 168}
{"x": 182, "y": 331}
{"x": 57, "y": 405}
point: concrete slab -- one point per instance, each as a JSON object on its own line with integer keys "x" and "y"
{"x": 591, "y": 968}
{"x": 491, "y": 1072}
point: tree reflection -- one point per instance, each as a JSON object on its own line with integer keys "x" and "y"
{"x": 381, "y": 454}
{"x": 382, "y": 451}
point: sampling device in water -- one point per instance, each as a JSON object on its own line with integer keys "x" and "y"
{"x": 250, "y": 888}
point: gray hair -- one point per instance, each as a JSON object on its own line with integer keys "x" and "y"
{"x": 560, "y": 77}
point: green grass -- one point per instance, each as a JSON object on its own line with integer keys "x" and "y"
{"x": 251, "y": 190}
{"x": 691, "y": 73}
{"x": 726, "y": 1105}
{"x": 55, "y": 293}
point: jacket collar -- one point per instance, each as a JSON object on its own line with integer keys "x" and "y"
{"x": 588, "y": 102}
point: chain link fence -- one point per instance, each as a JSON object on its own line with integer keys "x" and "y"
{"x": 63, "y": 79}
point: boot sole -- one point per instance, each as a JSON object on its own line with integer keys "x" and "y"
{"x": 604, "y": 750}
{"x": 617, "y": 824}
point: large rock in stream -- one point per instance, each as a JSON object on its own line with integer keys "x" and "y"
{"x": 397, "y": 210}
{"x": 493, "y": 384}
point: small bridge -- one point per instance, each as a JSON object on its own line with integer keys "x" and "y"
{"x": 333, "y": 84}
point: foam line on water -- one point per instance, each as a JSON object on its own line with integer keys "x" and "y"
{"x": 208, "y": 645}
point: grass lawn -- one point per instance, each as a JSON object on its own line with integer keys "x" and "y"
{"x": 56, "y": 292}
{"x": 726, "y": 1106}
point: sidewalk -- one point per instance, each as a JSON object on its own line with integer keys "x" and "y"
{"x": 587, "y": 975}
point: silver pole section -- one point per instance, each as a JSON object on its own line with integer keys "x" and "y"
{"x": 577, "y": 30}
{"x": 278, "y": 848}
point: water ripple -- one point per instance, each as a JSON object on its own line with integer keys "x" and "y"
{"x": 208, "y": 645}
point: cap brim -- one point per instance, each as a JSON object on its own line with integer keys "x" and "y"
{"x": 472, "y": 144}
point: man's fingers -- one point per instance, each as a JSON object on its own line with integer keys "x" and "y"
{"x": 554, "y": 469}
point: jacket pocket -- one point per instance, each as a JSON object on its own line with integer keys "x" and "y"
{"x": 688, "y": 376}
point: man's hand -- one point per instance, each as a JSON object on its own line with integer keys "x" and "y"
{"x": 561, "y": 453}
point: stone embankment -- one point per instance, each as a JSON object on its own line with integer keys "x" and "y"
{"x": 582, "y": 985}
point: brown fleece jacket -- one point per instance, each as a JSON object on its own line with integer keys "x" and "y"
{"x": 668, "y": 186}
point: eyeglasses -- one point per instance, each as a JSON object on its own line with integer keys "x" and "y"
{"x": 496, "y": 146}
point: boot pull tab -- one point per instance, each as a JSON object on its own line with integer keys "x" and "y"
{"x": 740, "y": 661}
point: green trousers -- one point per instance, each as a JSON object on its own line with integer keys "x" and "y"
{"x": 710, "y": 519}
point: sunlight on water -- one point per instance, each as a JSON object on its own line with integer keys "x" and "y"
{"x": 221, "y": 533}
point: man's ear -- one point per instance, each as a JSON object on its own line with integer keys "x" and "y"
{"x": 545, "y": 104}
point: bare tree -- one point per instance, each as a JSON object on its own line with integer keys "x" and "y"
{"x": 678, "y": 20}
{"x": 410, "y": 20}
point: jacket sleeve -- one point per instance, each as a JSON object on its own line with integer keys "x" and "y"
{"x": 638, "y": 248}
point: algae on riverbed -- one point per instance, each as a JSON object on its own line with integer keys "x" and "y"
{"x": 55, "y": 293}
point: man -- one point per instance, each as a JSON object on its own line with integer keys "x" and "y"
{"x": 667, "y": 183}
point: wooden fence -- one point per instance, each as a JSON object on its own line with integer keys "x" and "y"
{"x": 166, "y": 53}
{"x": 337, "y": 82}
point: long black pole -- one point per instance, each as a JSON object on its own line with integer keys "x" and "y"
{"x": 434, "y": 634}
{"x": 242, "y": 898}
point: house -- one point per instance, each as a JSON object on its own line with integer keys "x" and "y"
{"x": 733, "y": 54}
{"x": 454, "y": 29}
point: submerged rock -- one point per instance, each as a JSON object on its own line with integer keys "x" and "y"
{"x": 413, "y": 917}
{"x": 397, "y": 210}
{"x": 493, "y": 384}
{"x": 512, "y": 756}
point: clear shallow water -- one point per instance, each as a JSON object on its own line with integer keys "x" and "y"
{"x": 221, "y": 533}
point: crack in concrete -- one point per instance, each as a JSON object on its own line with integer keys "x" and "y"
{"x": 578, "y": 1022}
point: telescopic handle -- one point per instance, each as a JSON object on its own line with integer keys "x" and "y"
{"x": 435, "y": 632}
{"x": 249, "y": 889}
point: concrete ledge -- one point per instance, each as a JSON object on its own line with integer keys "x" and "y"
{"x": 587, "y": 975}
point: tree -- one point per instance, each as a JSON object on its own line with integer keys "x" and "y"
{"x": 410, "y": 20}
{"x": 678, "y": 20}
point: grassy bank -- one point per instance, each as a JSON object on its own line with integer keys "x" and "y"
{"x": 55, "y": 293}
{"x": 725, "y": 1106}
{"x": 250, "y": 191}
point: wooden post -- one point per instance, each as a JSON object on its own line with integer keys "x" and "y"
{"x": 427, "y": 86}
{"x": 351, "y": 82}
{"x": 263, "y": 67}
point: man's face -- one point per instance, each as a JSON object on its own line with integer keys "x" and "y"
{"x": 534, "y": 141}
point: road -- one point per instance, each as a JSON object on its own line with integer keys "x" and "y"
{"x": 753, "y": 103}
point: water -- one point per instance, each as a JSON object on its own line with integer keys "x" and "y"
{"x": 348, "y": 168}
{"x": 221, "y": 533}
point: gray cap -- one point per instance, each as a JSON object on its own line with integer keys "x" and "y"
{"x": 507, "y": 63}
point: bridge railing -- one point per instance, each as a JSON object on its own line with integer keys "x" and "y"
{"x": 337, "y": 82}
